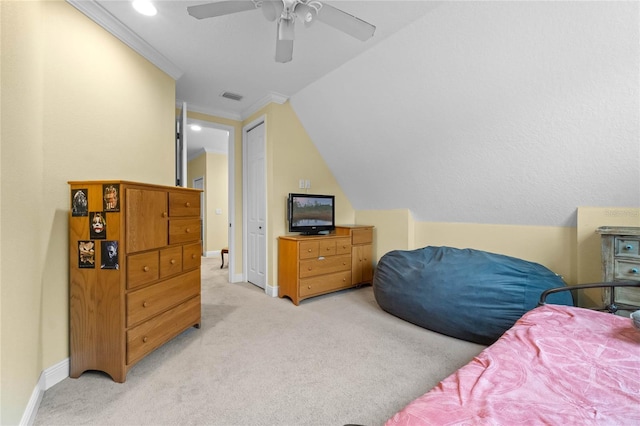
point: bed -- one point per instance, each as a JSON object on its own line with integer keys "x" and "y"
{"x": 558, "y": 365}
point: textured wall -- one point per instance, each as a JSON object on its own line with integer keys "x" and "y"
{"x": 488, "y": 112}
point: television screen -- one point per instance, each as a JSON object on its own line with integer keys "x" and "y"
{"x": 311, "y": 213}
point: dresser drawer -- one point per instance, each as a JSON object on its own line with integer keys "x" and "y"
{"x": 149, "y": 335}
{"x": 324, "y": 265}
{"x": 327, "y": 248}
{"x": 149, "y": 301}
{"x": 184, "y": 230}
{"x": 627, "y": 270}
{"x": 309, "y": 249}
{"x": 170, "y": 261}
{"x": 627, "y": 247}
{"x": 317, "y": 285}
{"x": 362, "y": 236}
{"x": 184, "y": 204}
{"x": 142, "y": 269}
{"x": 191, "y": 256}
{"x": 343, "y": 245}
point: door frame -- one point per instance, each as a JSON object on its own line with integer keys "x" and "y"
{"x": 268, "y": 289}
{"x": 233, "y": 278}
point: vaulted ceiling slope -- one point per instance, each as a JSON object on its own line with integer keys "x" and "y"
{"x": 488, "y": 112}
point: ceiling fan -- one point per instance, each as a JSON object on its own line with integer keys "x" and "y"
{"x": 285, "y": 13}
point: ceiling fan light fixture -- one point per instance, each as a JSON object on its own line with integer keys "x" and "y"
{"x": 286, "y": 29}
{"x": 306, "y": 13}
{"x": 145, "y": 7}
{"x": 272, "y": 9}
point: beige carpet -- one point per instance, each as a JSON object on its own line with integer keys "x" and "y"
{"x": 258, "y": 360}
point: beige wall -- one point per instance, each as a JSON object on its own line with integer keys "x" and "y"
{"x": 553, "y": 247}
{"x": 76, "y": 104}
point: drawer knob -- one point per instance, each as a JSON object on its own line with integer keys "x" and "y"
{"x": 634, "y": 270}
{"x": 173, "y": 261}
{"x": 164, "y": 214}
{"x": 144, "y": 339}
{"x": 628, "y": 247}
{"x": 145, "y": 304}
{"x": 193, "y": 256}
{"x": 309, "y": 250}
{"x": 309, "y": 287}
{"x": 146, "y": 269}
{"x": 310, "y": 268}
{"x": 187, "y": 204}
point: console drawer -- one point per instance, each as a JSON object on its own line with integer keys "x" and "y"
{"x": 325, "y": 283}
{"x": 627, "y": 247}
{"x": 627, "y": 270}
{"x": 324, "y": 265}
{"x": 149, "y": 335}
{"x": 149, "y": 301}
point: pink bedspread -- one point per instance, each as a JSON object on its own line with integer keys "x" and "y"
{"x": 557, "y": 365}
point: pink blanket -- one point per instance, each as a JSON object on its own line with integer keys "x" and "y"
{"x": 557, "y": 365}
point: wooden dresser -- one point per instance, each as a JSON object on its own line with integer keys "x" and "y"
{"x": 621, "y": 262}
{"x": 134, "y": 257}
{"x": 313, "y": 265}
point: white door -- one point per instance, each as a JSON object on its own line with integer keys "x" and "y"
{"x": 256, "y": 205}
{"x": 181, "y": 147}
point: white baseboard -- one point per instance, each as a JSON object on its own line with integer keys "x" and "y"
{"x": 48, "y": 378}
{"x": 212, "y": 253}
{"x": 271, "y": 290}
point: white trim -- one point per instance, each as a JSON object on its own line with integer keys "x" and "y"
{"x": 272, "y": 97}
{"x": 209, "y": 111}
{"x": 107, "y": 21}
{"x": 56, "y": 373}
{"x": 48, "y": 378}
{"x": 271, "y": 290}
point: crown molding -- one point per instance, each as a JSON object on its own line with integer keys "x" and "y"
{"x": 106, "y": 20}
{"x": 271, "y": 97}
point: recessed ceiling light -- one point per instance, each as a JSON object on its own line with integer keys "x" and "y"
{"x": 145, "y": 7}
{"x": 195, "y": 127}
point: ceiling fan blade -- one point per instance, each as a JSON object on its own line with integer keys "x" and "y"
{"x": 284, "y": 50}
{"x": 219, "y": 8}
{"x": 345, "y": 22}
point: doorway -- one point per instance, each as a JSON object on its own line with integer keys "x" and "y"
{"x": 215, "y": 140}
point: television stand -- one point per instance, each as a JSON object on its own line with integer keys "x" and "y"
{"x": 311, "y": 265}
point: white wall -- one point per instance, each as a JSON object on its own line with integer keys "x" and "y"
{"x": 488, "y": 112}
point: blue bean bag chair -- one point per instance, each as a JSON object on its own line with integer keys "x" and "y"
{"x": 464, "y": 293}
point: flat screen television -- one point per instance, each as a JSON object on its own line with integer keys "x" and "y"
{"x": 311, "y": 213}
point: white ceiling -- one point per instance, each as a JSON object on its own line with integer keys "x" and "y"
{"x": 235, "y": 53}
